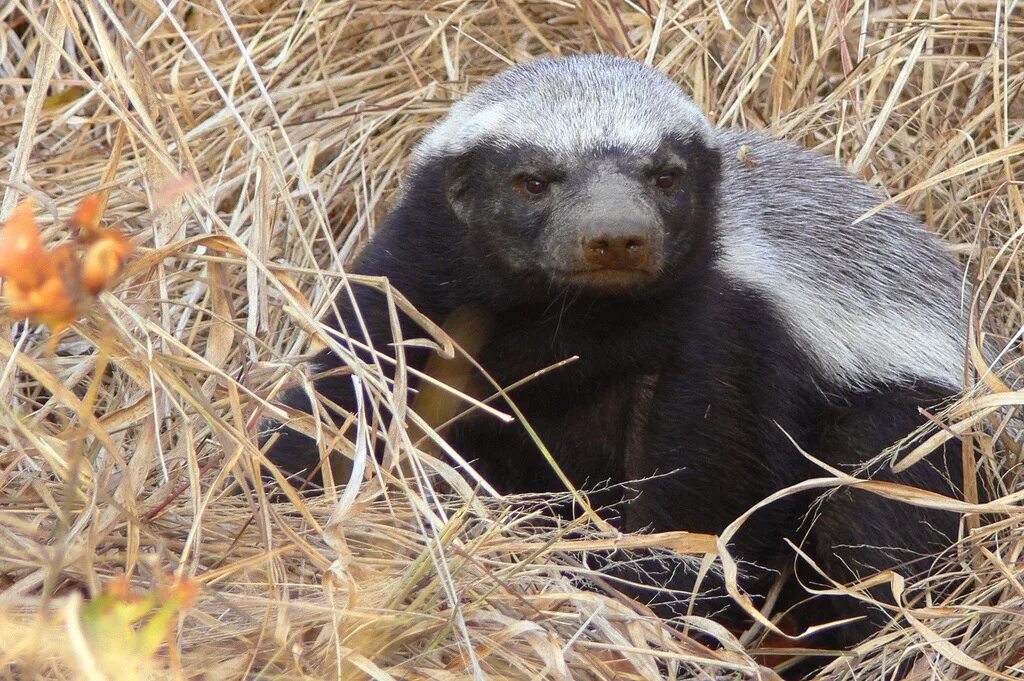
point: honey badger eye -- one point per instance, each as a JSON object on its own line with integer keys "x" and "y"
{"x": 533, "y": 186}
{"x": 665, "y": 180}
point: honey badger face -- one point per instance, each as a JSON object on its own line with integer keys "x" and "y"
{"x": 592, "y": 172}
{"x": 609, "y": 220}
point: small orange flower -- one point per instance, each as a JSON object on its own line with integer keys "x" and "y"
{"x": 52, "y": 301}
{"x": 182, "y": 592}
{"x": 86, "y": 220}
{"x": 50, "y": 287}
{"x": 36, "y": 280}
{"x": 103, "y": 259}
{"x": 120, "y": 589}
{"x": 23, "y": 259}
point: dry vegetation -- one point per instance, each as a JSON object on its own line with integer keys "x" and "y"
{"x": 122, "y": 440}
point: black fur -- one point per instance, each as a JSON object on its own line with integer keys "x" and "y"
{"x": 690, "y": 377}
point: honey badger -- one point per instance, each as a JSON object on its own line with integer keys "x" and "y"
{"x": 722, "y": 299}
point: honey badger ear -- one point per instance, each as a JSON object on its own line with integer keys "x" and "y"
{"x": 455, "y": 172}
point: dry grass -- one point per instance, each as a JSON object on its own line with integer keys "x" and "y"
{"x": 121, "y": 446}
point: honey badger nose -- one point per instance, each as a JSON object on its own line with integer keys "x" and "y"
{"x": 619, "y": 231}
{"x": 630, "y": 251}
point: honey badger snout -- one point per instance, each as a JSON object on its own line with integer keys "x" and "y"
{"x": 608, "y": 233}
{"x": 620, "y": 232}
{"x": 629, "y": 251}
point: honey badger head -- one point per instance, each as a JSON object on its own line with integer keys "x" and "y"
{"x": 589, "y": 172}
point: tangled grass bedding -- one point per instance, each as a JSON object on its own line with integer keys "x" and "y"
{"x": 247, "y": 148}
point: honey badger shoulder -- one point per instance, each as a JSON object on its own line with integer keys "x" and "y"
{"x": 871, "y": 301}
{"x": 717, "y": 289}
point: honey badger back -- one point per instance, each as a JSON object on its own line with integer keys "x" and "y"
{"x": 718, "y": 295}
